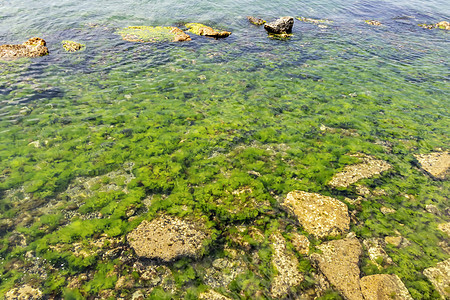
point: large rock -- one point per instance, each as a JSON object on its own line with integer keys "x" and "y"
{"x": 369, "y": 167}
{"x": 339, "y": 263}
{"x": 436, "y": 164}
{"x": 384, "y": 287}
{"x": 34, "y": 47}
{"x": 167, "y": 238}
{"x": 440, "y": 277}
{"x": 286, "y": 265}
{"x": 280, "y": 26}
{"x": 319, "y": 215}
{"x": 145, "y": 34}
{"x": 200, "y": 29}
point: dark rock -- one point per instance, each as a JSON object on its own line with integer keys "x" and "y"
{"x": 281, "y": 26}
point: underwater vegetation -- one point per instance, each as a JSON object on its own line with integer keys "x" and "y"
{"x": 209, "y": 132}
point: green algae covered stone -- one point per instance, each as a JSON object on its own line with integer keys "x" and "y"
{"x": 200, "y": 29}
{"x": 72, "y": 46}
{"x": 154, "y": 34}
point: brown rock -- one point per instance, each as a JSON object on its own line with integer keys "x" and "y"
{"x": 286, "y": 265}
{"x": 301, "y": 243}
{"x": 256, "y": 21}
{"x": 436, "y": 164}
{"x": 397, "y": 241}
{"x": 180, "y": 35}
{"x": 387, "y": 210}
{"x": 24, "y": 292}
{"x": 384, "y": 287}
{"x": 167, "y": 238}
{"x": 376, "y": 252}
{"x": 445, "y": 227}
{"x": 368, "y": 168}
{"x": 440, "y": 277}
{"x": 320, "y": 215}
{"x": 339, "y": 263}
{"x": 34, "y": 47}
{"x": 432, "y": 209}
{"x": 212, "y": 295}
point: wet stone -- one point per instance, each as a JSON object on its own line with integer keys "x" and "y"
{"x": 286, "y": 265}
{"x": 153, "y": 34}
{"x": 167, "y": 238}
{"x": 212, "y": 295}
{"x": 445, "y": 227}
{"x": 338, "y": 262}
{"x": 24, "y": 292}
{"x": 384, "y": 287}
{"x": 436, "y": 164}
{"x": 200, "y": 29}
{"x": 281, "y": 26}
{"x": 319, "y": 215}
{"x": 34, "y": 47}
{"x": 440, "y": 278}
{"x": 368, "y": 168}
{"x": 256, "y": 21}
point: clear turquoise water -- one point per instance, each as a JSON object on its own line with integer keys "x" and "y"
{"x": 181, "y": 113}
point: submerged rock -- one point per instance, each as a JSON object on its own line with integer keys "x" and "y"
{"x": 319, "y": 215}
{"x": 72, "y": 46}
{"x": 440, "y": 278}
{"x": 368, "y": 168}
{"x": 153, "y": 34}
{"x": 34, "y": 47}
{"x": 373, "y": 22}
{"x": 212, "y": 295}
{"x": 300, "y": 243}
{"x": 319, "y": 22}
{"x": 376, "y": 252}
{"x": 441, "y": 25}
{"x": 384, "y": 287}
{"x": 286, "y": 265}
{"x": 339, "y": 263}
{"x": 167, "y": 238}
{"x": 436, "y": 164}
{"x": 445, "y": 228}
{"x": 397, "y": 241}
{"x": 281, "y": 26}
{"x": 25, "y": 291}
{"x": 200, "y": 29}
{"x": 256, "y": 21}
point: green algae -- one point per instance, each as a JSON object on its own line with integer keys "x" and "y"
{"x": 72, "y": 46}
{"x": 227, "y": 152}
{"x": 200, "y": 29}
{"x": 147, "y": 34}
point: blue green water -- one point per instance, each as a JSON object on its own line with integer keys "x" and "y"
{"x": 189, "y": 123}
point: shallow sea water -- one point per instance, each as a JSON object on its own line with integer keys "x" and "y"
{"x": 94, "y": 142}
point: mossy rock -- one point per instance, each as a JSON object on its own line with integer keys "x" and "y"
{"x": 72, "y": 46}
{"x": 200, "y": 29}
{"x": 153, "y": 34}
{"x": 373, "y": 22}
{"x": 256, "y": 21}
{"x": 441, "y": 25}
{"x": 34, "y": 47}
